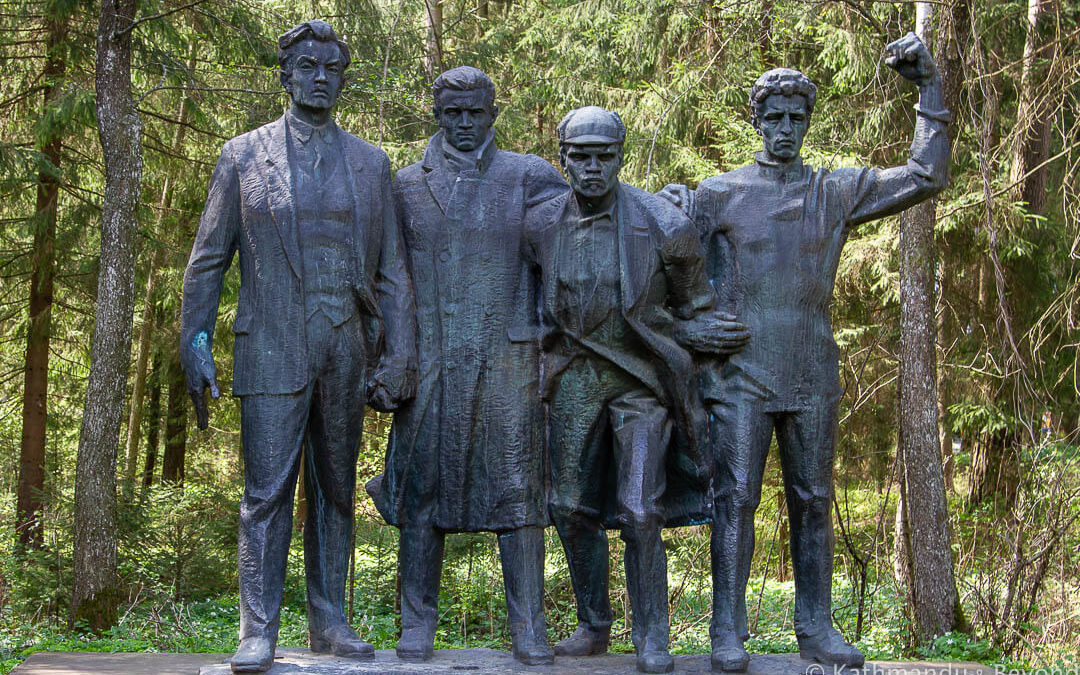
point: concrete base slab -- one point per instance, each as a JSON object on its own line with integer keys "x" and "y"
{"x": 292, "y": 661}
{"x": 84, "y": 663}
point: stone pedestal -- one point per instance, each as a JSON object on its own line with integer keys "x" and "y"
{"x": 492, "y": 662}
{"x": 447, "y": 662}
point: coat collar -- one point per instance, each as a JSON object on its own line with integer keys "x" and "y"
{"x": 774, "y": 169}
{"x": 440, "y": 177}
{"x": 437, "y": 147}
{"x": 636, "y": 248}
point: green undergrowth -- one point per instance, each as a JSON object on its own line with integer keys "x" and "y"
{"x": 472, "y": 614}
{"x": 178, "y": 568}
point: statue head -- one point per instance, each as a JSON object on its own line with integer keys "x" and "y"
{"x": 591, "y": 150}
{"x": 312, "y": 61}
{"x": 464, "y": 106}
{"x": 781, "y": 103}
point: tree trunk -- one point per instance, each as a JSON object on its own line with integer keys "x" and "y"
{"x": 153, "y": 411}
{"x": 1033, "y": 115}
{"x": 138, "y": 390}
{"x": 300, "y": 519}
{"x": 948, "y": 461}
{"x": 433, "y": 55}
{"x": 36, "y": 378}
{"x": 765, "y": 34}
{"x": 172, "y": 464}
{"x": 923, "y": 535}
{"x": 995, "y": 469}
{"x": 95, "y": 593}
{"x": 782, "y": 537}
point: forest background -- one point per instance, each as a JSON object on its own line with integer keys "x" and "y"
{"x": 118, "y": 528}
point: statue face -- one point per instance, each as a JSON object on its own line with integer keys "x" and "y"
{"x": 316, "y": 75}
{"x": 465, "y": 117}
{"x": 593, "y": 170}
{"x": 782, "y": 123}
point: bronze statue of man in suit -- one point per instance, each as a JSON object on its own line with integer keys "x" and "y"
{"x": 467, "y": 454}
{"x": 625, "y": 301}
{"x": 773, "y": 232}
{"x": 325, "y": 322}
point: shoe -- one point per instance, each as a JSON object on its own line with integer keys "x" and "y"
{"x": 587, "y": 640}
{"x": 728, "y": 654}
{"x": 415, "y": 644}
{"x": 828, "y": 646}
{"x": 255, "y": 655}
{"x": 342, "y": 641}
{"x": 533, "y": 652}
{"x": 655, "y": 661}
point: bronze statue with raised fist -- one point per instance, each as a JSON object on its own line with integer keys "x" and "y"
{"x": 773, "y": 232}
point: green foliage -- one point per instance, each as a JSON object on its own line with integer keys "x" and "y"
{"x": 976, "y": 418}
{"x": 959, "y": 647}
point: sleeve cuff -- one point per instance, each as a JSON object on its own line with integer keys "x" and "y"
{"x": 943, "y": 115}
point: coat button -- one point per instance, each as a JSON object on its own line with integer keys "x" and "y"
{"x": 444, "y": 256}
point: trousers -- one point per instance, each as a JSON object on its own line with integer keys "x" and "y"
{"x": 604, "y": 423}
{"x": 740, "y": 433}
{"x": 323, "y": 423}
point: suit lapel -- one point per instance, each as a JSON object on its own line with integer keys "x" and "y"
{"x": 436, "y": 177}
{"x": 635, "y": 250}
{"x": 279, "y": 191}
{"x": 353, "y": 169}
{"x": 554, "y": 240}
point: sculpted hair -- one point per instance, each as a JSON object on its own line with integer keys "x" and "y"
{"x": 464, "y": 78}
{"x": 309, "y": 30}
{"x": 783, "y": 81}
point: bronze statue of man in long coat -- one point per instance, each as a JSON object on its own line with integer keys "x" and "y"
{"x": 467, "y": 454}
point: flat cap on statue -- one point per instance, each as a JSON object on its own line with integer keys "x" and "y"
{"x": 591, "y": 125}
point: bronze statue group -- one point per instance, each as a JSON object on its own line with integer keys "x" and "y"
{"x": 572, "y": 352}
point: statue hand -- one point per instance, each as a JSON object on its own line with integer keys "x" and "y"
{"x": 380, "y": 399}
{"x": 201, "y": 373}
{"x": 680, "y": 196}
{"x": 713, "y": 333}
{"x": 390, "y": 387}
{"x": 910, "y": 57}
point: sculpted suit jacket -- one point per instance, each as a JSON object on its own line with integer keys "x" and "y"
{"x": 251, "y": 209}
{"x": 662, "y": 277}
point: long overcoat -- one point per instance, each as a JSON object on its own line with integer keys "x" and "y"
{"x": 469, "y": 449}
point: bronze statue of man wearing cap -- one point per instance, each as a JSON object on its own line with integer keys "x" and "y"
{"x": 625, "y": 301}
{"x": 325, "y": 308}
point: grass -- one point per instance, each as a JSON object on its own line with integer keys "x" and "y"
{"x": 472, "y": 611}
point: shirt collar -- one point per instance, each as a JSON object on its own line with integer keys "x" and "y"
{"x": 774, "y": 168}
{"x": 304, "y": 132}
{"x": 609, "y": 212}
